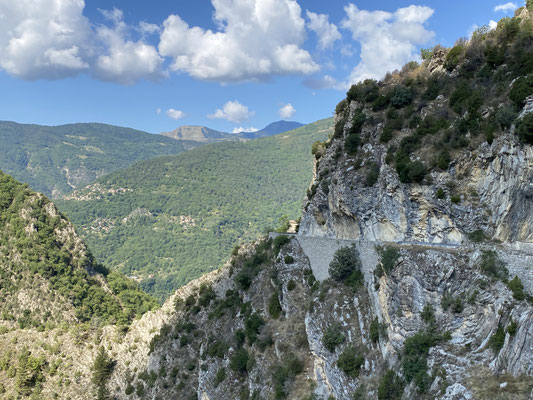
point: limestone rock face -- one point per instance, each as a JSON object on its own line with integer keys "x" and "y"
{"x": 494, "y": 182}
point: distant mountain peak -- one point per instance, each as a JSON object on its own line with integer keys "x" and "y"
{"x": 204, "y": 134}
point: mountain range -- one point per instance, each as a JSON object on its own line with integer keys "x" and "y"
{"x": 57, "y": 159}
{"x": 203, "y": 134}
{"x": 167, "y": 220}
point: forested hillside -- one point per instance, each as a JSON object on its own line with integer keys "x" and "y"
{"x": 39, "y": 248}
{"x": 55, "y": 160}
{"x": 168, "y": 220}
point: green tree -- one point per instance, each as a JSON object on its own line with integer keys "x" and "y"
{"x": 101, "y": 372}
{"x": 345, "y": 261}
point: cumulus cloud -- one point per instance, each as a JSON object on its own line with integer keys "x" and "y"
{"x": 506, "y": 7}
{"x": 326, "y": 32}
{"x": 51, "y": 39}
{"x": 241, "y": 129}
{"x": 287, "y": 111}
{"x": 124, "y": 60}
{"x": 388, "y": 40}
{"x": 175, "y": 114}
{"x": 148, "y": 29}
{"x": 255, "y": 39}
{"x": 44, "y": 38}
{"x": 232, "y": 111}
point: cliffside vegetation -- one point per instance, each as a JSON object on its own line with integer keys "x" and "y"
{"x": 457, "y": 98}
{"x": 41, "y": 255}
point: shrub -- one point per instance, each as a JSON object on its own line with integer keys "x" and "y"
{"x": 29, "y": 375}
{"x": 358, "y": 121}
{"x": 339, "y": 128}
{"x": 291, "y": 285}
{"x": 493, "y": 266}
{"x": 428, "y": 314}
{"x": 332, "y": 337}
{"x": 274, "y": 307}
{"x": 252, "y": 326}
{"x": 390, "y": 386}
{"x": 217, "y": 349}
{"x": 431, "y": 125}
{"x": 389, "y": 256}
{"x": 341, "y": 106}
{"x": 522, "y": 88}
{"x": 351, "y": 143}
{"x": 401, "y": 96}
{"x": 279, "y": 242}
{"x": 440, "y": 193}
{"x": 458, "y": 306}
{"x": 414, "y": 357}
{"x": 354, "y": 280}
{"x": 220, "y": 376}
{"x": 240, "y": 337}
{"x": 372, "y": 174}
{"x": 446, "y": 301}
{"x": 455, "y": 199}
{"x": 379, "y": 103}
{"x": 206, "y": 295}
{"x": 505, "y": 117}
{"x": 524, "y": 128}
{"x": 477, "y": 236}
{"x": 239, "y": 360}
{"x": 345, "y": 261}
{"x": 393, "y": 124}
{"x": 283, "y": 372}
{"x": 460, "y": 96}
{"x": 453, "y": 57}
{"x": 443, "y": 160}
{"x": 497, "y": 340}
{"x": 349, "y": 362}
{"x": 374, "y": 330}
{"x": 517, "y": 288}
{"x": 101, "y": 372}
{"x": 288, "y": 259}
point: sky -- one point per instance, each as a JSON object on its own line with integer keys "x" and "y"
{"x": 230, "y": 65}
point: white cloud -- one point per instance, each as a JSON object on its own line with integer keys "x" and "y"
{"x": 241, "y": 129}
{"x": 124, "y": 60}
{"x": 506, "y": 7}
{"x": 388, "y": 40}
{"x": 148, "y": 29}
{"x": 232, "y": 111}
{"x": 255, "y": 39}
{"x": 492, "y": 24}
{"x": 326, "y": 33}
{"x": 287, "y": 111}
{"x": 158, "y": 111}
{"x": 175, "y": 114}
{"x": 51, "y": 39}
{"x": 43, "y": 38}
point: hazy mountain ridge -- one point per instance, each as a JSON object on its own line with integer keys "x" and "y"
{"x": 57, "y": 159}
{"x": 206, "y": 135}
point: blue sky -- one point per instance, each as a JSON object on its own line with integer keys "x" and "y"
{"x": 226, "y": 64}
